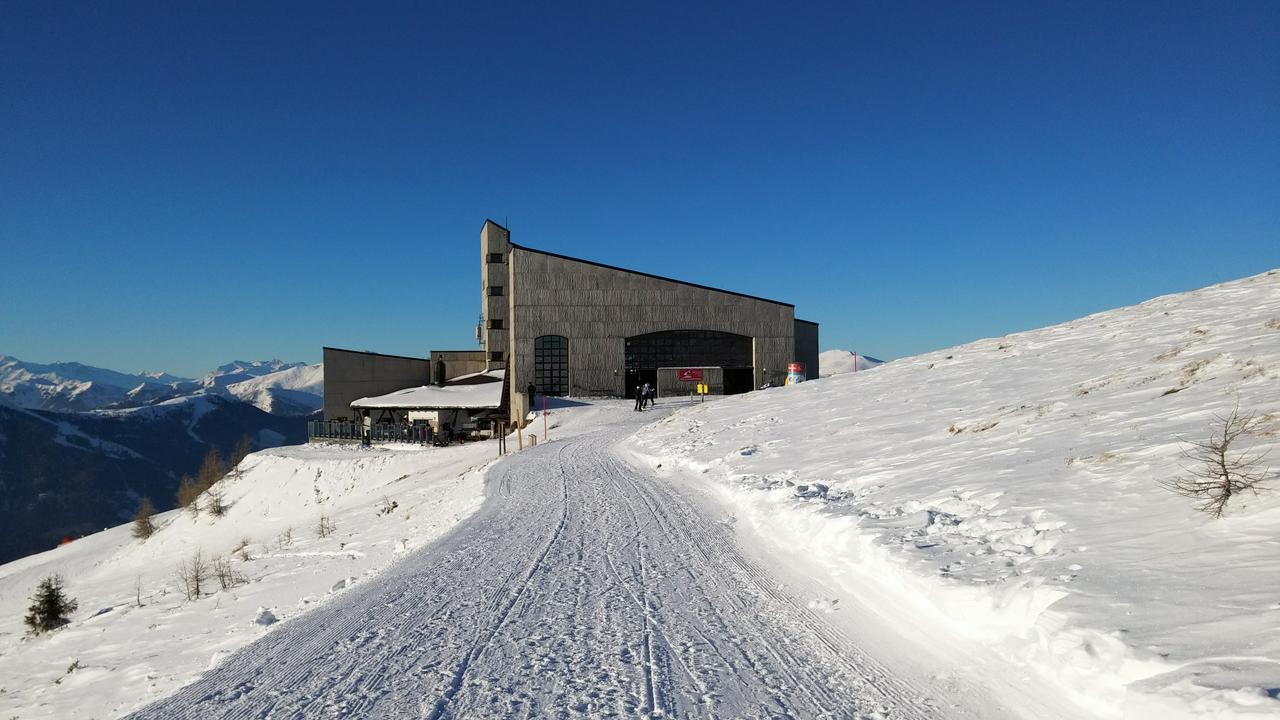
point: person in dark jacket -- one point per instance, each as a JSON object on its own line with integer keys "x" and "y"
{"x": 639, "y": 398}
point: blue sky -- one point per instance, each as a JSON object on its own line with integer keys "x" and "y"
{"x": 182, "y": 184}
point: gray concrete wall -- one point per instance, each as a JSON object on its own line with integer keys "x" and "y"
{"x": 597, "y": 308}
{"x": 350, "y": 375}
{"x": 449, "y": 364}
{"x": 807, "y": 347}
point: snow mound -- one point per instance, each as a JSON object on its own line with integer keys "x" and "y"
{"x": 836, "y": 362}
{"x": 1011, "y": 486}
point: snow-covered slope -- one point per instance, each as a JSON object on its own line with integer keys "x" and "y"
{"x": 835, "y": 362}
{"x": 136, "y": 638}
{"x": 1012, "y": 484}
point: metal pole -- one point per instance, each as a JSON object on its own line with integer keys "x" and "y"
{"x": 544, "y": 417}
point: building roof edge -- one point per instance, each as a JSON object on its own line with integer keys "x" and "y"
{"x": 516, "y": 246}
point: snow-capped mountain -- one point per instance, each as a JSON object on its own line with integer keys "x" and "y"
{"x": 75, "y": 387}
{"x": 274, "y": 386}
{"x": 835, "y": 362}
{"x": 79, "y": 445}
{"x": 240, "y": 370}
{"x": 296, "y": 390}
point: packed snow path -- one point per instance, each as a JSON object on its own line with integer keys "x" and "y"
{"x": 580, "y": 589}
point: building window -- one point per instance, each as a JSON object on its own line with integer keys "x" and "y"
{"x": 495, "y": 257}
{"x": 495, "y": 356}
{"x": 688, "y": 348}
{"x": 551, "y": 365}
{"x": 495, "y": 290}
{"x": 495, "y": 324}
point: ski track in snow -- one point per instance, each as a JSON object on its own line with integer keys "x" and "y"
{"x": 580, "y": 589}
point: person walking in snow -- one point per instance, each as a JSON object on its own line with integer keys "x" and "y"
{"x": 646, "y": 396}
{"x": 639, "y": 398}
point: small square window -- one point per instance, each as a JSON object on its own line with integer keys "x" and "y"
{"x": 495, "y": 291}
{"x": 496, "y": 356}
{"x": 495, "y": 324}
{"x": 495, "y": 257}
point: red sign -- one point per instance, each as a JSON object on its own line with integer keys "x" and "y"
{"x": 689, "y": 374}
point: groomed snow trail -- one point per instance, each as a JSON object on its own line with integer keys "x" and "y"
{"x": 580, "y": 589}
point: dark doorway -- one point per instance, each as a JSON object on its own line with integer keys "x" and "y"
{"x": 738, "y": 380}
{"x": 689, "y": 348}
{"x": 639, "y": 376}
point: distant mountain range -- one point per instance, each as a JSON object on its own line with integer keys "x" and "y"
{"x": 80, "y": 446}
{"x": 275, "y": 386}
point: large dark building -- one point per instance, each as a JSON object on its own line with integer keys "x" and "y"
{"x": 576, "y": 327}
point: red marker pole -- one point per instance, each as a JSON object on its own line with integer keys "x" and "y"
{"x": 544, "y": 417}
{"x": 855, "y": 362}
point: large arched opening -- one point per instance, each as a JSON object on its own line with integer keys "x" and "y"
{"x": 644, "y": 354}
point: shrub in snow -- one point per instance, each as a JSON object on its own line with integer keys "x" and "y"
{"x": 217, "y": 504}
{"x": 49, "y": 606}
{"x": 1220, "y": 472}
{"x": 243, "y": 550}
{"x": 227, "y": 575}
{"x": 326, "y": 526}
{"x": 143, "y": 527}
{"x": 195, "y": 575}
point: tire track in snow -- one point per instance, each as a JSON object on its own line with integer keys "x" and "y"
{"x": 581, "y": 589}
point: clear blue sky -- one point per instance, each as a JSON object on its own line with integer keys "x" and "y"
{"x": 182, "y": 184}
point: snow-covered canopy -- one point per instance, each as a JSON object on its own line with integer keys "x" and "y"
{"x": 477, "y": 390}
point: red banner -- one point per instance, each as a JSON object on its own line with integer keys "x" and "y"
{"x": 689, "y": 374}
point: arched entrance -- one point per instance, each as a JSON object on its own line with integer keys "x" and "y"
{"x": 551, "y": 365}
{"x": 644, "y": 354}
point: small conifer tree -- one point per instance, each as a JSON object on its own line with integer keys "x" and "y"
{"x": 143, "y": 527}
{"x": 189, "y": 494}
{"x": 238, "y": 453}
{"x": 49, "y": 606}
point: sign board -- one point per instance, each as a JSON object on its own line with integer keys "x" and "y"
{"x": 689, "y": 374}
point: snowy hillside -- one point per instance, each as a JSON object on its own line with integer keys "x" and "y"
{"x": 835, "y": 362}
{"x": 135, "y": 637}
{"x": 1008, "y": 490}
{"x": 74, "y": 473}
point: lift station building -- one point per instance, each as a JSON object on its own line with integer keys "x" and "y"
{"x": 579, "y": 328}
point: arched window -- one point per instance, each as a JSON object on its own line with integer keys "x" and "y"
{"x": 551, "y": 365}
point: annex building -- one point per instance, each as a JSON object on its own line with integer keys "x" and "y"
{"x": 573, "y": 327}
